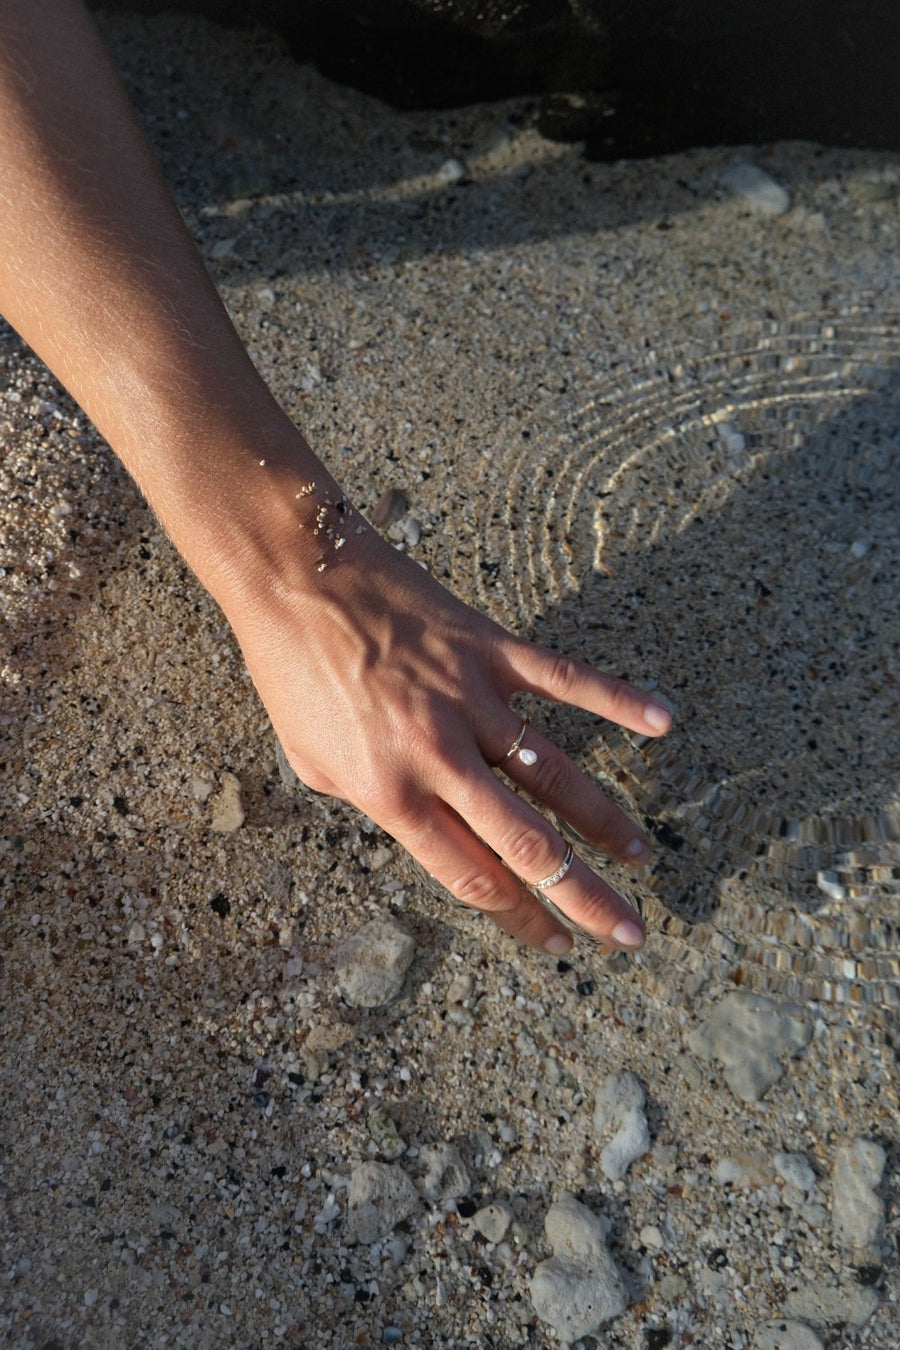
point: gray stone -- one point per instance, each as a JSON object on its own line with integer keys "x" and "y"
{"x": 795, "y": 1171}
{"x": 826, "y": 1304}
{"x": 371, "y": 965}
{"x": 786, "y": 1335}
{"x": 857, "y": 1212}
{"x": 757, "y": 189}
{"x": 750, "y": 1035}
{"x": 383, "y": 1129}
{"x": 445, "y": 1177}
{"x": 619, "y": 1117}
{"x": 579, "y": 1288}
{"x": 493, "y": 1221}
{"x": 379, "y": 1197}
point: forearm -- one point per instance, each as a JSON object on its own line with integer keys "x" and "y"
{"x": 99, "y": 275}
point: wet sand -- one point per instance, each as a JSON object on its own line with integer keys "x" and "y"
{"x": 630, "y": 414}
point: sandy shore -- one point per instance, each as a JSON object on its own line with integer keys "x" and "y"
{"x": 631, "y": 412}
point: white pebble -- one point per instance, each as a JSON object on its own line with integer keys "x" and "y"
{"x": 758, "y": 190}
{"x": 829, "y": 885}
{"x": 619, "y": 1118}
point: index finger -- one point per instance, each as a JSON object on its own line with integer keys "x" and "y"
{"x": 567, "y": 680}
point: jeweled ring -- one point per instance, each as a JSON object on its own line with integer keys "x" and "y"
{"x": 558, "y": 874}
{"x": 526, "y": 756}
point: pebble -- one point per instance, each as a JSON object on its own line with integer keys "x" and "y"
{"x": 750, "y": 1036}
{"x": 826, "y": 1304}
{"x": 446, "y": 1177}
{"x": 857, "y": 1211}
{"x": 757, "y": 189}
{"x": 785, "y": 1335}
{"x": 745, "y": 1171}
{"x": 829, "y": 884}
{"x": 451, "y": 171}
{"x": 619, "y": 1117}
{"x": 460, "y": 988}
{"x": 651, "y": 1237}
{"x": 493, "y": 1221}
{"x": 733, "y": 440}
{"x": 579, "y": 1288}
{"x": 383, "y": 1129}
{"x": 391, "y": 506}
{"x": 380, "y": 1196}
{"x": 227, "y": 810}
{"x": 412, "y": 531}
{"x": 379, "y": 857}
{"x": 794, "y": 1169}
{"x": 371, "y": 965}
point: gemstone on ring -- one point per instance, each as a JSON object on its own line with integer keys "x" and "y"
{"x": 559, "y": 873}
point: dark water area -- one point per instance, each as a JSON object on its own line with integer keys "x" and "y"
{"x": 629, "y": 80}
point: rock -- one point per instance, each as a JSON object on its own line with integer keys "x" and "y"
{"x": 829, "y": 884}
{"x": 579, "y": 1288}
{"x": 412, "y": 531}
{"x": 227, "y": 811}
{"x": 371, "y": 965}
{"x": 857, "y": 1212}
{"x": 451, "y": 172}
{"x": 651, "y": 1237}
{"x": 672, "y": 1287}
{"x": 380, "y": 1196}
{"x": 735, "y": 442}
{"x": 744, "y": 1171}
{"x": 826, "y": 1304}
{"x": 493, "y": 1221}
{"x": 460, "y": 988}
{"x": 619, "y": 1117}
{"x": 325, "y": 1037}
{"x": 786, "y": 1335}
{"x": 750, "y": 1035}
{"x": 757, "y": 189}
{"x": 795, "y": 1171}
{"x": 383, "y": 1130}
{"x": 446, "y": 1177}
{"x": 379, "y": 857}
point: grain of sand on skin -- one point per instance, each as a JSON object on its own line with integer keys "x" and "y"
{"x": 200, "y": 1100}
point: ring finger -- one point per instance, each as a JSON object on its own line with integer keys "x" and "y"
{"x": 534, "y": 851}
{"x": 548, "y": 775}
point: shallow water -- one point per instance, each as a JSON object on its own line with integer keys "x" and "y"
{"x": 728, "y": 523}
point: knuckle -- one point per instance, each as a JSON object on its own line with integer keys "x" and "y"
{"x": 563, "y": 677}
{"x": 527, "y": 850}
{"x": 386, "y": 801}
{"x": 477, "y": 889}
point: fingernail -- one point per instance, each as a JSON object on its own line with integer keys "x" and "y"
{"x": 558, "y": 944}
{"x": 638, "y": 849}
{"x": 657, "y": 717}
{"x": 628, "y": 933}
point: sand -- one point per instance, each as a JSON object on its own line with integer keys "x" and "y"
{"x": 631, "y": 414}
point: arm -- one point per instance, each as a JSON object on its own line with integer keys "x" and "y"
{"x": 383, "y": 688}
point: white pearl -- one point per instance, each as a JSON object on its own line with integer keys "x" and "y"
{"x": 528, "y": 756}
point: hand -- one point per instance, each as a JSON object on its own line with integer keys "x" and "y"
{"x": 387, "y": 691}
